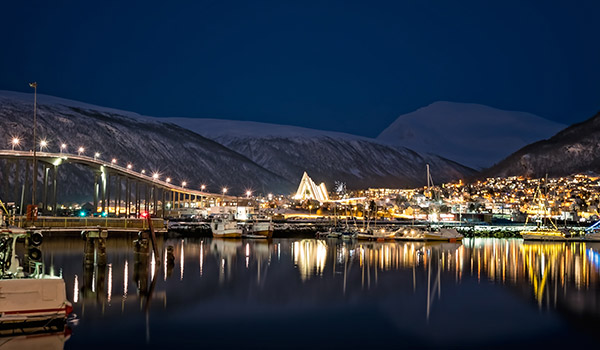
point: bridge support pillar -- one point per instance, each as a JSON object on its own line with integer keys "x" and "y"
{"x": 107, "y": 193}
{"x": 146, "y": 198}
{"x": 104, "y": 193}
{"x": 95, "y": 193}
{"x": 128, "y": 195}
{"x": 118, "y": 196}
{"x": 137, "y": 199}
{"x": 163, "y": 203}
{"x": 155, "y": 199}
{"x": 45, "y": 191}
{"x": 54, "y": 191}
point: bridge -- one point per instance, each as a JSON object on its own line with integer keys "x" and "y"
{"x": 117, "y": 189}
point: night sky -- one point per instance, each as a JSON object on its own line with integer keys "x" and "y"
{"x": 351, "y": 66}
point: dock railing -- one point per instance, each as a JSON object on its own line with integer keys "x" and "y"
{"x": 86, "y": 222}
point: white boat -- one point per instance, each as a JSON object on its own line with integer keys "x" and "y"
{"x": 375, "y": 235}
{"x": 225, "y": 228}
{"x": 258, "y": 229}
{"x": 444, "y": 234}
{"x": 28, "y": 301}
{"x": 410, "y": 234}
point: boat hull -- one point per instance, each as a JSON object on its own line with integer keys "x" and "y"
{"x": 544, "y": 235}
{"x": 233, "y": 233}
{"x": 27, "y": 300}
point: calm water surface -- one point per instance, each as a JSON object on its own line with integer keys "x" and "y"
{"x": 308, "y": 293}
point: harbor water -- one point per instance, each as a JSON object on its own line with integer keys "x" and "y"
{"x": 328, "y": 293}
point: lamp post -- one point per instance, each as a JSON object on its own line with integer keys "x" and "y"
{"x": 63, "y": 147}
{"x": 43, "y": 144}
{"x": 15, "y": 142}
{"x": 203, "y": 187}
{"x": 96, "y": 155}
{"x": 34, "y": 177}
{"x": 223, "y": 196}
{"x": 80, "y": 151}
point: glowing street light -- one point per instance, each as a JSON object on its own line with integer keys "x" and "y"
{"x": 15, "y": 142}
{"x": 96, "y": 155}
{"x": 155, "y": 176}
{"x": 202, "y": 187}
{"x": 223, "y": 197}
{"x": 80, "y": 151}
{"x": 248, "y": 194}
{"x": 168, "y": 179}
{"x": 63, "y": 147}
{"x": 143, "y": 171}
{"x": 183, "y": 184}
{"x": 43, "y": 144}
{"x": 114, "y": 161}
{"x": 129, "y": 166}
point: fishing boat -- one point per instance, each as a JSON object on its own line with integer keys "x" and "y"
{"x": 225, "y": 227}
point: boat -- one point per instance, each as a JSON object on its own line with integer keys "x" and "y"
{"x": 543, "y": 231}
{"x": 29, "y": 300}
{"x": 375, "y": 235}
{"x": 443, "y": 234}
{"x": 410, "y": 234}
{"x": 225, "y": 227}
{"x": 258, "y": 229}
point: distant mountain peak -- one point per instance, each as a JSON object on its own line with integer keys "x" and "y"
{"x": 472, "y": 134}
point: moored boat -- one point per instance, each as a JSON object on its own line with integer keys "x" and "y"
{"x": 28, "y": 300}
{"x": 225, "y": 228}
{"x": 443, "y": 234}
{"x": 375, "y": 235}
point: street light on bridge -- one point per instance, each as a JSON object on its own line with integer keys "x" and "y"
{"x": 143, "y": 171}
{"x": 96, "y": 155}
{"x": 223, "y": 196}
{"x": 183, "y": 184}
{"x": 129, "y": 166}
{"x": 202, "y": 187}
{"x": 63, "y": 147}
{"x": 168, "y": 179}
{"x": 80, "y": 151}
{"x": 155, "y": 176}
{"x": 15, "y": 142}
{"x": 248, "y": 194}
{"x": 114, "y": 161}
{"x": 43, "y": 144}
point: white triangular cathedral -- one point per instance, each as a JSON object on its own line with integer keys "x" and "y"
{"x": 309, "y": 190}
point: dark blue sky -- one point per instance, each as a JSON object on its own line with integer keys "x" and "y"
{"x": 351, "y": 66}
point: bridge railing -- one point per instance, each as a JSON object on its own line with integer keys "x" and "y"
{"x": 78, "y": 222}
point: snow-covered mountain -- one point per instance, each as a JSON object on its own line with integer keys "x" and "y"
{"x": 471, "y": 134}
{"x": 146, "y": 143}
{"x": 575, "y": 149}
{"x": 327, "y": 156}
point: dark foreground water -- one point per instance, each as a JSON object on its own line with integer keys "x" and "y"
{"x": 308, "y": 293}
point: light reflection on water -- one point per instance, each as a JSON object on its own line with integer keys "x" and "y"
{"x": 420, "y": 294}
